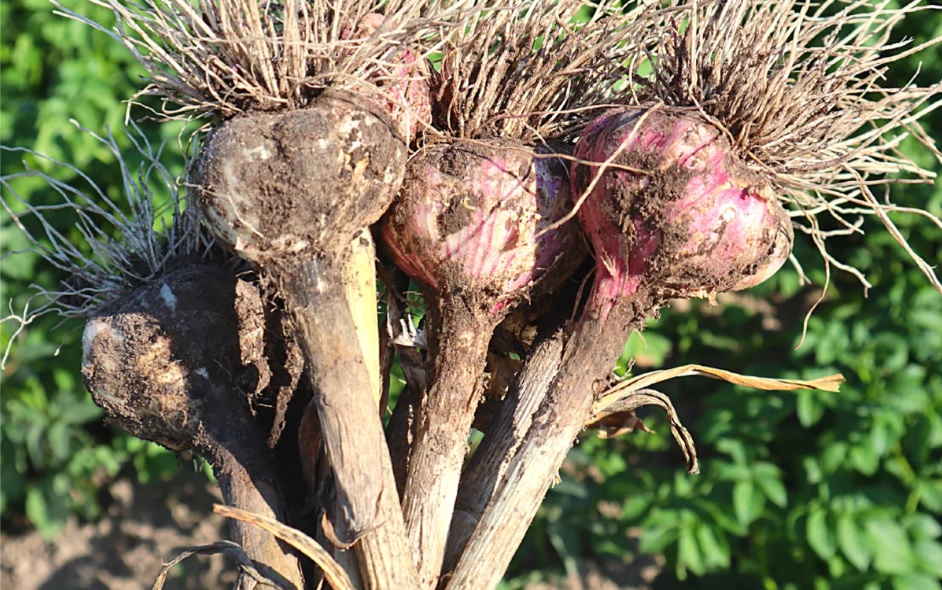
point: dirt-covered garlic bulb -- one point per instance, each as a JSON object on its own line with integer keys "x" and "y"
{"x": 746, "y": 104}
{"x": 311, "y": 117}
{"x": 476, "y": 218}
{"x": 165, "y": 362}
{"x": 673, "y": 210}
{"x": 473, "y": 224}
{"x": 175, "y": 344}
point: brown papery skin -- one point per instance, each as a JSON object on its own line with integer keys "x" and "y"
{"x": 560, "y": 412}
{"x": 682, "y": 218}
{"x": 289, "y": 192}
{"x": 465, "y": 226}
{"x": 165, "y": 364}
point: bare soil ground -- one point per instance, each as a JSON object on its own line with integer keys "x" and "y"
{"x": 145, "y": 526}
{"x": 148, "y": 525}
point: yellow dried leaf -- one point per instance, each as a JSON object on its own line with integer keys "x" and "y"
{"x": 334, "y": 574}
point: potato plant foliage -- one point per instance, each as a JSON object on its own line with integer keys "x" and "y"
{"x": 796, "y": 489}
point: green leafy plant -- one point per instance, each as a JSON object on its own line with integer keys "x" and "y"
{"x": 55, "y": 453}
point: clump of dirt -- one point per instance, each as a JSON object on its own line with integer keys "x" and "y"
{"x": 146, "y": 355}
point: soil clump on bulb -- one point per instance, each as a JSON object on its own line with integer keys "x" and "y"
{"x": 168, "y": 363}
{"x": 279, "y": 184}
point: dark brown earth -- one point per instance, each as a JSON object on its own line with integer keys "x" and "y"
{"x": 147, "y": 525}
{"x": 143, "y": 527}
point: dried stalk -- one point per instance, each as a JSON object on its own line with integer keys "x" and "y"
{"x": 559, "y": 412}
{"x": 334, "y": 574}
{"x": 524, "y": 97}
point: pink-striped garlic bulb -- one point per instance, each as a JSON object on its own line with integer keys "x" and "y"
{"x": 472, "y": 224}
{"x": 675, "y": 211}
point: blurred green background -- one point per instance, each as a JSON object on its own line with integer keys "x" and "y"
{"x": 797, "y": 490}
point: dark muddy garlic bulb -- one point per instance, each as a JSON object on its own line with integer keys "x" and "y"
{"x": 290, "y": 192}
{"x": 282, "y": 188}
{"x": 164, "y": 361}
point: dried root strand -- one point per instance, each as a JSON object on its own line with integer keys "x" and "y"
{"x": 800, "y": 89}
{"x": 534, "y": 70}
{"x": 123, "y": 246}
{"x": 230, "y": 56}
{"x": 620, "y": 418}
{"x": 613, "y": 411}
{"x": 247, "y": 567}
{"x": 334, "y": 574}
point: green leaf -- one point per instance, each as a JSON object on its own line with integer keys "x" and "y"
{"x": 773, "y": 488}
{"x": 930, "y": 493}
{"x": 853, "y": 542}
{"x": 813, "y": 472}
{"x": 58, "y": 437}
{"x": 634, "y": 507}
{"x": 731, "y": 471}
{"x": 661, "y": 529}
{"x": 810, "y": 408}
{"x": 47, "y": 511}
{"x": 890, "y": 545}
{"x": 819, "y": 533}
{"x": 647, "y": 350}
{"x": 715, "y": 549}
{"x": 720, "y": 516}
{"x": 929, "y": 557}
{"x": 864, "y": 457}
{"x": 922, "y": 526}
{"x": 914, "y": 581}
{"x": 833, "y": 456}
{"x": 657, "y": 538}
{"x": 82, "y": 411}
{"x": 688, "y": 552}
{"x": 747, "y": 501}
